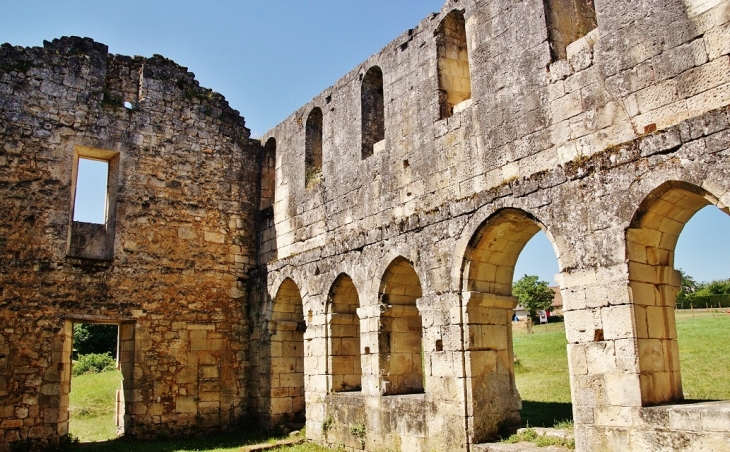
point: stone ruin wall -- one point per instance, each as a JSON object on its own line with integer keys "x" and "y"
{"x": 609, "y": 150}
{"x": 172, "y": 262}
{"x": 392, "y": 209}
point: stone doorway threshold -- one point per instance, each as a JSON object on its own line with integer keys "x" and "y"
{"x": 526, "y": 446}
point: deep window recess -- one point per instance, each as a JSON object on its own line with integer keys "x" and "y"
{"x": 453, "y": 63}
{"x": 399, "y": 338}
{"x": 373, "y": 112}
{"x": 345, "y": 369}
{"x": 313, "y": 149}
{"x": 567, "y": 21}
{"x": 286, "y": 331}
{"x": 91, "y": 231}
{"x": 268, "y": 174}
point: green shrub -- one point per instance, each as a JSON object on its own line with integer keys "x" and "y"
{"x": 93, "y": 362}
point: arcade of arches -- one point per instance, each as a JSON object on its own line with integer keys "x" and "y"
{"x": 396, "y": 345}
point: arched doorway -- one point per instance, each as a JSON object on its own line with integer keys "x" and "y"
{"x": 654, "y": 284}
{"x": 487, "y": 277}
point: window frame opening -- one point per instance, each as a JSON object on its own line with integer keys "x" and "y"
{"x": 313, "y": 148}
{"x": 94, "y": 241}
{"x": 372, "y": 109}
{"x": 82, "y": 173}
{"x": 268, "y": 175}
{"x": 454, "y": 72}
{"x": 567, "y": 21}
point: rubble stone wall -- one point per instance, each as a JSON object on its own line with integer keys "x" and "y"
{"x": 178, "y": 241}
{"x": 609, "y": 147}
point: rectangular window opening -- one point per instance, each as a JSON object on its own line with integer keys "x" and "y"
{"x": 92, "y": 215}
{"x": 91, "y": 200}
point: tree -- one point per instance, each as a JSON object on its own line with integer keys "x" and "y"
{"x": 688, "y": 285}
{"x": 90, "y": 338}
{"x": 533, "y": 295}
{"x": 717, "y": 287}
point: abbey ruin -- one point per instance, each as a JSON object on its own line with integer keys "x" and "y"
{"x": 355, "y": 265}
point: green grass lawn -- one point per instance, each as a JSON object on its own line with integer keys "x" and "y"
{"x": 542, "y": 373}
{"x": 704, "y": 355}
{"x": 91, "y": 405}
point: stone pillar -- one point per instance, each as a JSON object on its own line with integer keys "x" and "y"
{"x": 369, "y": 360}
{"x": 492, "y": 397}
{"x": 315, "y": 372}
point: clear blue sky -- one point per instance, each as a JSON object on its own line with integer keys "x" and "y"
{"x": 270, "y": 57}
{"x": 267, "y": 58}
{"x": 703, "y": 250}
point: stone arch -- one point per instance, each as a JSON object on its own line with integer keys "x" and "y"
{"x": 345, "y": 369}
{"x": 268, "y": 174}
{"x": 372, "y": 107}
{"x": 650, "y": 243}
{"x": 487, "y": 274}
{"x": 313, "y": 148}
{"x": 400, "y": 332}
{"x": 453, "y": 63}
{"x": 286, "y": 332}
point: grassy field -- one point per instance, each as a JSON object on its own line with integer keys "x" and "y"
{"x": 541, "y": 376}
{"x": 704, "y": 342}
{"x": 91, "y": 405}
{"x": 542, "y": 373}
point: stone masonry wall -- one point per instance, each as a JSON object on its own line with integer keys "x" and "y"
{"x": 180, "y": 242}
{"x": 609, "y": 150}
{"x": 490, "y": 135}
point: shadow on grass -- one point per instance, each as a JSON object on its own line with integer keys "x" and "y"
{"x": 208, "y": 442}
{"x": 545, "y": 414}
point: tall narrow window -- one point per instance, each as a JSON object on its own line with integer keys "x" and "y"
{"x": 373, "y": 112}
{"x": 90, "y": 203}
{"x": 268, "y": 174}
{"x": 453, "y": 63}
{"x": 91, "y": 232}
{"x": 313, "y": 149}
{"x": 568, "y": 21}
